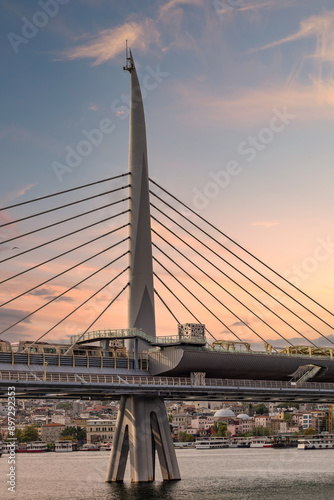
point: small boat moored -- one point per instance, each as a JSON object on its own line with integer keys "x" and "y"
{"x": 261, "y": 442}
{"x": 90, "y": 447}
{"x": 65, "y": 446}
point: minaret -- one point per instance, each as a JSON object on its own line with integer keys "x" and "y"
{"x": 141, "y": 300}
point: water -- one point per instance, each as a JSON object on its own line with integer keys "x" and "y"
{"x": 233, "y": 474}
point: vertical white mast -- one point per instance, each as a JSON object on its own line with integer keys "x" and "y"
{"x": 141, "y": 300}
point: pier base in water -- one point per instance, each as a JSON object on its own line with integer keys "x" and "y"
{"x": 142, "y": 426}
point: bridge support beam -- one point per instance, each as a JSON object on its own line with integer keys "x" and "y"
{"x": 142, "y": 427}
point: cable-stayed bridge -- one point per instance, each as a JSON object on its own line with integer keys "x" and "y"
{"x": 262, "y": 338}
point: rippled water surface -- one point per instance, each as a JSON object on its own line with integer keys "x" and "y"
{"x": 252, "y": 474}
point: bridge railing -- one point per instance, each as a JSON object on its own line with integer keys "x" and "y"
{"x": 41, "y": 377}
{"x": 127, "y": 333}
{"x": 111, "y": 360}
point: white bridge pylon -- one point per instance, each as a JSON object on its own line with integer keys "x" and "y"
{"x": 142, "y": 422}
{"x": 142, "y": 426}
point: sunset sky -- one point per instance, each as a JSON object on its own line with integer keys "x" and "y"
{"x": 239, "y": 103}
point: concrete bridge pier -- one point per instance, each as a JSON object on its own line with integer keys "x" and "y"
{"x": 142, "y": 427}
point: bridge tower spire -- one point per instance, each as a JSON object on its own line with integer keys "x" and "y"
{"x": 141, "y": 301}
{"x": 142, "y": 422}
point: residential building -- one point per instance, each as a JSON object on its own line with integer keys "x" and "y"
{"x": 100, "y": 431}
{"x": 50, "y": 433}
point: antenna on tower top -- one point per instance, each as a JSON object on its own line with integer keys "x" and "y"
{"x": 129, "y": 60}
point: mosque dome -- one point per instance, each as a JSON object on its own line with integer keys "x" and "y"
{"x": 224, "y": 413}
{"x": 243, "y": 416}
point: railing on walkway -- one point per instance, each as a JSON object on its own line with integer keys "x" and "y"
{"x": 129, "y": 333}
{"x": 112, "y": 360}
{"x": 141, "y": 381}
{"x": 220, "y": 346}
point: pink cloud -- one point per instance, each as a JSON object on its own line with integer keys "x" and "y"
{"x": 107, "y": 44}
{"x": 268, "y": 4}
{"x": 308, "y": 102}
{"x": 321, "y": 27}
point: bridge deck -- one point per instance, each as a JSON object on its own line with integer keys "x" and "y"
{"x": 97, "y": 386}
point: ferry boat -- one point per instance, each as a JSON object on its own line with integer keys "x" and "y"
{"x": 90, "y": 447}
{"x": 239, "y": 442}
{"x": 65, "y": 446}
{"x": 317, "y": 442}
{"x": 184, "y": 445}
{"x": 33, "y": 447}
{"x": 285, "y": 441}
{"x": 261, "y": 442}
{"x": 105, "y": 447}
{"x": 8, "y": 447}
{"x": 212, "y": 443}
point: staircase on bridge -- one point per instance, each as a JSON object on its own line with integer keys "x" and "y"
{"x": 305, "y": 373}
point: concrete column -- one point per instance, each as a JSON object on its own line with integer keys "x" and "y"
{"x": 105, "y": 346}
{"x": 142, "y": 426}
{"x": 141, "y": 300}
{"x": 135, "y": 355}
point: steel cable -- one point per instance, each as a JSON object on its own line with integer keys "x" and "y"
{"x": 249, "y": 253}
{"x": 64, "y": 236}
{"x": 77, "y": 308}
{"x": 64, "y": 293}
{"x": 64, "y": 272}
{"x": 66, "y": 191}
{"x": 65, "y": 253}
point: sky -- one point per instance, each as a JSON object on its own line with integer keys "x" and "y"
{"x": 239, "y": 103}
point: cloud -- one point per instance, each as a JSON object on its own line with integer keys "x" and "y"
{"x": 268, "y": 4}
{"x": 93, "y": 107}
{"x": 143, "y": 34}
{"x": 41, "y": 291}
{"x": 108, "y": 43}
{"x": 61, "y": 299}
{"x": 253, "y": 11}
{"x": 46, "y": 293}
{"x": 11, "y": 316}
{"x": 240, "y": 323}
{"x": 320, "y": 341}
{"x": 5, "y": 218}
{"x": 264, "y": 223}
{"x": 22, "y": 191}
{"x": 172, "y": 4}
{"x": 321, "y": 27}
{"x": 255, "y": 106}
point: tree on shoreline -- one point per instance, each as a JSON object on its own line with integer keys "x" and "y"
{"x": 219, "y": 429}
{"x": 71, "y": 432}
